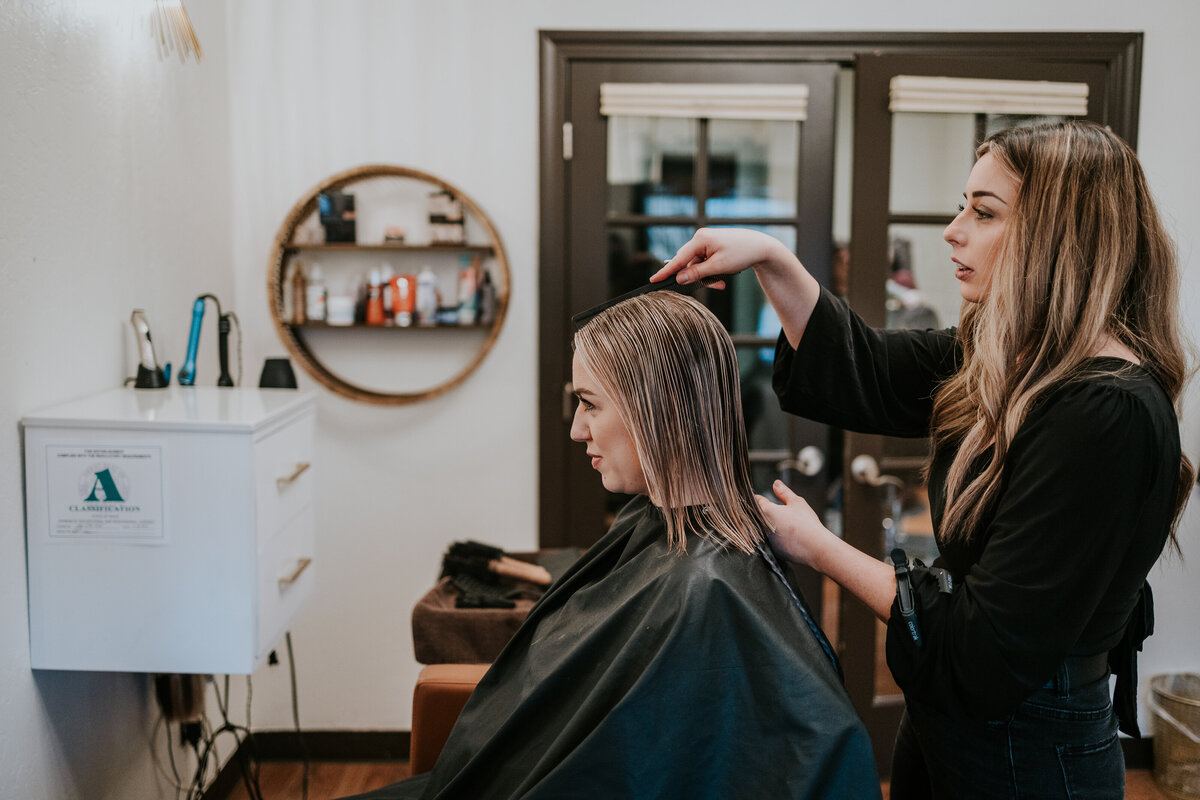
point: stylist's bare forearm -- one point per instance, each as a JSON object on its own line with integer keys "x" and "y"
{"x": 714, "y": 254}
{"x": 791, "y": 289}
{"x": 869, "y": 579}
{"x": 797, "y": 534}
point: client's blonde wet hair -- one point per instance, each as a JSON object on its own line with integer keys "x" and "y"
{"x": 670, "y": 369}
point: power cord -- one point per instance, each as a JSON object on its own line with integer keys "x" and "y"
{"x": 243, "y": 737}
{"x": 174, "y": 778}
{"x": 256, "y": 762}
{"x": 296, "y": 716}
{"x": 233, "y": 318}
{"x": 202, "y": 738}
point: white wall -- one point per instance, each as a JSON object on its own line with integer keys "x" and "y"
{"x": 134, "y": 183}
{"x": 115, "y": 171}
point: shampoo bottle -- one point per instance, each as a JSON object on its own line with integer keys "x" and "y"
{"x": 361, "y": 290}
{"x": 386, "y": 284}
{"x": 487, "y": 300}
{"x": 315, "y": 296}
{"x": 427, "y": 301}
{"x": 374, "y": 299}
{"x": 404, "y": 294}
{"x": 468, "y": 284}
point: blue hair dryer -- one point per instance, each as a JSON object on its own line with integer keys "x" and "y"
{"x": 187, "y": 373}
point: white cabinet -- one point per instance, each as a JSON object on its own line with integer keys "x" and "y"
{"x": 168, "y": 530}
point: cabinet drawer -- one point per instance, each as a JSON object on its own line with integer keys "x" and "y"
{"x": 285, "y": 578}
{"x": 283, "y": 475}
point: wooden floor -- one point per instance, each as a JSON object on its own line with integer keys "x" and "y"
{"x": 280, "y": 780}
{"x": 1139, "y": 785}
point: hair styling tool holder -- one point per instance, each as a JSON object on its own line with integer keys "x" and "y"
{"x": 187, "y": 373}
{"x": 149, "y": 374}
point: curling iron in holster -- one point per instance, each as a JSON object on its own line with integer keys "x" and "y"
{"x": 187, "y": 373}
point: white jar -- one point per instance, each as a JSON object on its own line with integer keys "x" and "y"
{"x": 341, "y": 310}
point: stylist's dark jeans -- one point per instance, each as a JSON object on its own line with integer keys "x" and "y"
{"x": 1061, "y": 743}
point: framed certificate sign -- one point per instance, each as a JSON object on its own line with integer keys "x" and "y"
{"x": 105, "y": 492}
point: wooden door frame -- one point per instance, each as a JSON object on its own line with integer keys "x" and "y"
{"x": 1119, "y": 53}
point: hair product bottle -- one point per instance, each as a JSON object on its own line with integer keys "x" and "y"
{"x": 468, "y": 284}
{"x": 361, "y": 290}
{"x": 404, "y": 299}
{"x": 299, "y": 295}
{"x": 315, "y": 296}
{"x": 487, "y": 300}
{"x": 427, "y": 302}
{"x": 374, "y": 299}
{"x": 386, "y": 284}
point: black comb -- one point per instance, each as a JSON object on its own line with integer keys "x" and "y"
{"x": 668, "y": 283}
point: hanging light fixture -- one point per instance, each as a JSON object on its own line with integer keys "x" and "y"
{"x": 172, "y": 30}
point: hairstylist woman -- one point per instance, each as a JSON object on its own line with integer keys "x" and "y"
{"x": 1056, "y": 475}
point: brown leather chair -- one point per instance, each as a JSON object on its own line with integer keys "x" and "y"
{"x": 441, "y": 692}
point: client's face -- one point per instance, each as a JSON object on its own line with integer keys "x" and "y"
{"x": 609, "y": 444}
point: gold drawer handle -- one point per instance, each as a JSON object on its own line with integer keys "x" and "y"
{"x": 301, "y": 565}
{"x": 303, "y": 465}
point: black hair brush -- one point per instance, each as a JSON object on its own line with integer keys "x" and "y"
{"x": 488, "y": 563}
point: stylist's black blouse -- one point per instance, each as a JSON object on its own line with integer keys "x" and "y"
{"x": 1057, "y": 563}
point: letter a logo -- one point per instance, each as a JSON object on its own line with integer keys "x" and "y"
{"x": 108, "y": 488}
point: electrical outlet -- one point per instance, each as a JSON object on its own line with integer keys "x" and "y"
{"x": 181, "y": 697}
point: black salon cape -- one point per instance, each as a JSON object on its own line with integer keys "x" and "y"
{"x": 643, "y": 673}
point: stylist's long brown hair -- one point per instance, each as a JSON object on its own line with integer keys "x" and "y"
{"x": 1084, "y": 255}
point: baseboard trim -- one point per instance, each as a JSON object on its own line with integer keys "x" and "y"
{"x": 332, "y": 745}
{"x": 394, "y": 746}
{"x": 316, "y": 745}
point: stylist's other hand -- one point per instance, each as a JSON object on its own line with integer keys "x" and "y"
{"x": 719, "y": 251}
{"x": 797, "y": 533}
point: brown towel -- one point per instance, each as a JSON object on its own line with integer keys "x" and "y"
{"x": 443, "y": 634}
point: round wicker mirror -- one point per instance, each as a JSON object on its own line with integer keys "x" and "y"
{"x": 316, "y": 344}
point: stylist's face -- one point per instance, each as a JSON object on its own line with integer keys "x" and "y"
{"x": 975, "y": 234}
{"x": 609, "y": 444}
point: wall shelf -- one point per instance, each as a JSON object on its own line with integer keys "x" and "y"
{"x": 296, "y": 336}
{"x": 358, "y": 326}
{"x": 483, "y": 249}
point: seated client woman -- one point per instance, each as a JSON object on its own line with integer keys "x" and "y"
{"x": 674, "y": 659}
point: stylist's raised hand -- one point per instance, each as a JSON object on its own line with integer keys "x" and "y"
{"x": 722, "y": 251}
{"x": 797, "y": 532}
